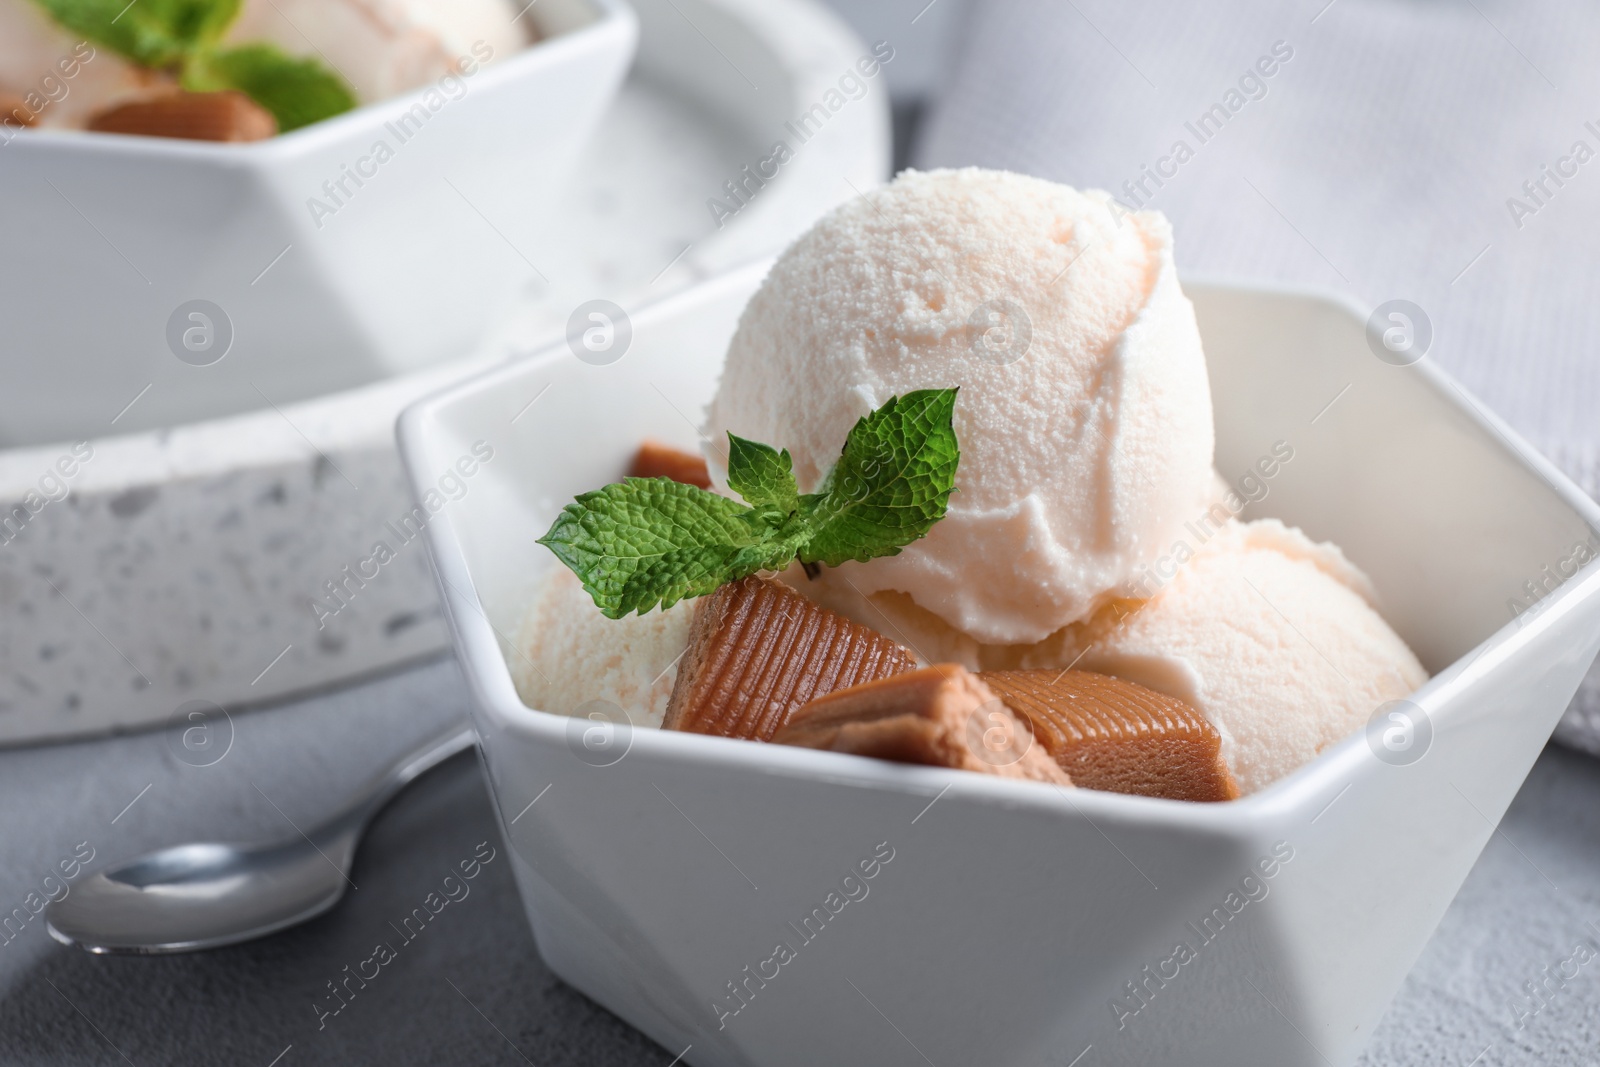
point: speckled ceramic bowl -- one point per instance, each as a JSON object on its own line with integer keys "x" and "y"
{"x": 184, "y": 564}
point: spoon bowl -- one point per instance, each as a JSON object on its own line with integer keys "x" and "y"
{"x": 209, "y": 894}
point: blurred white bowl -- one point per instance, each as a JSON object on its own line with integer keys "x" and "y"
{"x": 1005, "y": 923}
{"x": 307, "y": 287}
{"x": 183, "y": 564}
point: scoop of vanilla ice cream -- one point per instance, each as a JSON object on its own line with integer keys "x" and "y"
{"x": 1270, "y": 635}
{"x": 385, "y": 47}
{"x": 567, "y": 653}
{"x": 1084, "y": 417}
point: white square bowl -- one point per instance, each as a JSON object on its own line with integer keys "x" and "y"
{"x": 106, "y": 236}
{"x": 1016, "y": 924}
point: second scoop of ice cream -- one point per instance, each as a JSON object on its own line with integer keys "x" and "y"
{"x": 1084, "y": 416}
{"x": 1273, "y": 638}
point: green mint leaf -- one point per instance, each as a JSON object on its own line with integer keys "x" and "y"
{"x": 648, "y": 541}
{"x": 891, "y": 484}
{"x": 762, "y": 475}
{"x": 152, "y": 33}
{"x": 298, "y": 91}
{"x": 183, "y": 35}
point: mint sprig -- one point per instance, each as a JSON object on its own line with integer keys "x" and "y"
{"x": 762, "y": 475}
{"x": 891, "y": 483}
{"x": 647, "y": 542}
{"x": 184, "y": 36}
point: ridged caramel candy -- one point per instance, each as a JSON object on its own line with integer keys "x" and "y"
{"x": 656, "y": 460}
{"x": 14, "y": 110}
{"x": 758, "y": 651}
{"x": 941, "y": 716}
{"x": 223, "y": 116}
{"x": 1112, "y": 734}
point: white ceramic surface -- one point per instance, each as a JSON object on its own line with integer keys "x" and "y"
{"x": 334, "y": 262}
{"x": 183, "y": 562}
{"x": 1017, "y": 924}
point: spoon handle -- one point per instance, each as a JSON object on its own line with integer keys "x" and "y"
{"x": 371, "y": 798}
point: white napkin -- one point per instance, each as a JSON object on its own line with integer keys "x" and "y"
{"x": 1380, "y": 156}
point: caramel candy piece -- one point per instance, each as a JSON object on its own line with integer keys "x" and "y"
{"x": 942, "y": 716}
{"x": 1112, "y": 734}
{"x": 14, "y": 110}
{"x": 225, "y": 116}
{"x": 758, "y": 651}
{"x": 656, "y": 460}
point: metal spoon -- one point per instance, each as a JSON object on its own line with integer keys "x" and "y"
{"x": 205, "y": 895}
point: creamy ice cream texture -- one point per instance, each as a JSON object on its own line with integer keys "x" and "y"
{"x": 381, "y": 47}
{"x": 1080, "y": 462}
{"x": 568, "y": 653}
{"x": 66, "y": 80}
{"x": 1084, "y": 416}
{"x": 1273, "y": 637}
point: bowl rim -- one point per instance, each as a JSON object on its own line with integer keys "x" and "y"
{"x": 612, "y": 17}
{"x": 1317, "y": 782}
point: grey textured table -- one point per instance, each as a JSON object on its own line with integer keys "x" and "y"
{"x": 1068, "y": 104}
{"x": 471, "y": 987}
